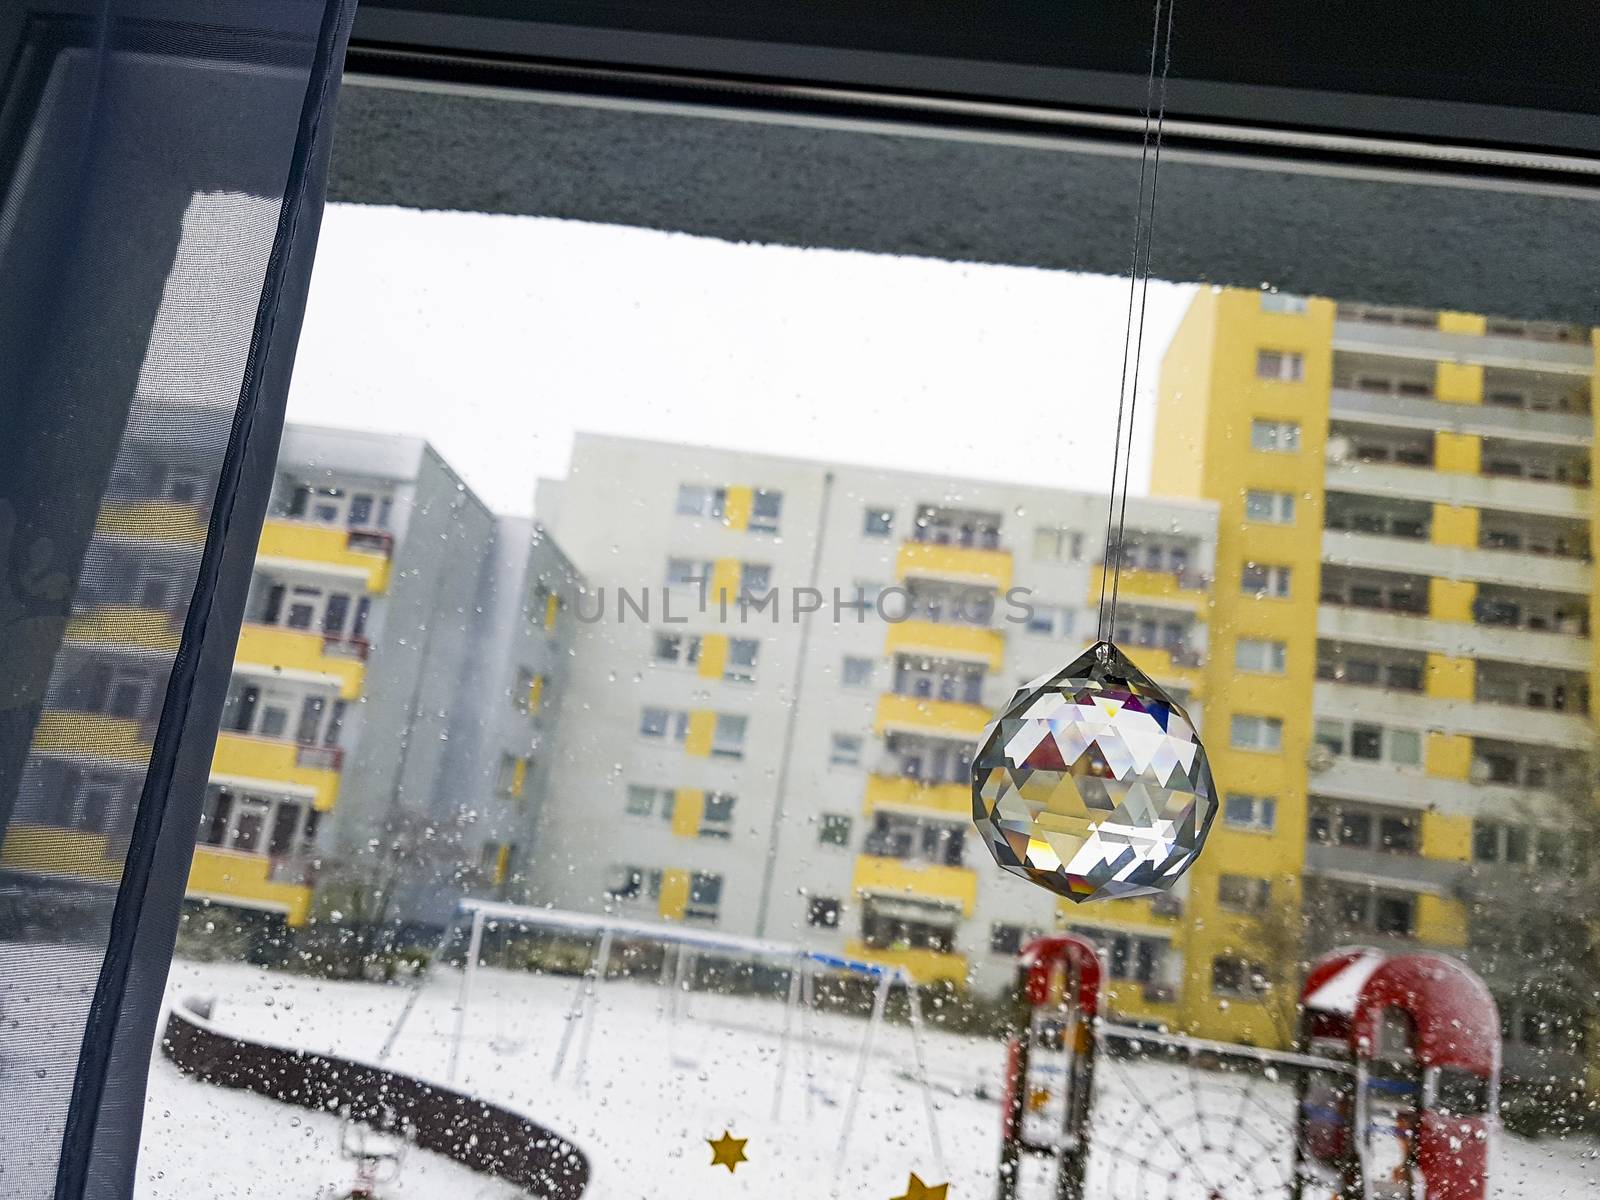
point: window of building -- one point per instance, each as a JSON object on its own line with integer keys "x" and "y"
{"x": 1057, "y": 545}
{"x": 697, "y": 501}
{"x": 742, "y": 655}
{"x": 878, "y": 522}
{"x": 845, "y": 750}
{"x": 1369, "y": 742}
{"x": 716, "y": 817}
{"x": 1364, "y": 909}
{"x": 1128, "y": 956}
{"x": 1338, "y": 823}
{"x": 1275, "y": 437}
{"x": 1271, "y": 508}
{"x": 705, "y": 897}
{"x": 727, "y": 738}
{"x": 1260, "y": 656}
{"x": 685, "y": 571}
{"x": 1049, "y": 620}
{"x": 834, "y": 829}
{"x": 1256, "y": 733}
{"x": 856, "y": 672}
{"x": 1500, "y": 842}
{"x": 1284, "y": 366}
{"x": 766, "y": 509}
{"x": 624, "y": 881}
{"x": 1243, "y": 893}
{"x": 1238, "y": 978}
{"x": 1394, "y": 914}
{"x": 1282, "y": 302}
{"x": 663, "y": 723}
{"x": 755, "y": 579}
{"x": 1250, "y": 812}
{"x": 641, "y": 800}
{"x": 677, "y": 649}
{"x": 1261, "y": 579}
{"x": 822, "y": 912}
{"x": 1009, "y": 939}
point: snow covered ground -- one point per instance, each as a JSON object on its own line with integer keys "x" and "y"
{"x": 654, "y": 1088}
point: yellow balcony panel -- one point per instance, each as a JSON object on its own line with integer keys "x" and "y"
{"x": 967, "y": 643}
{"x": 313, "y": 770}
{"x": 48, "y": 850}
{"x": 956, "y": 886}
{"x": 278, "y": 649}
{"x": 125, "y": 626}
{"x": 947, "y": 799}
{"x": 230, "y": 877}
{"x": 152, "y": 521}
{"x": 938, "y": 717}
{"x": 292, "y": 542}
{"x": 924, "y": 966}
{"x": 92, "y": 735}
{"x": 1165, "y": 588}
{"x": 959, "y": 564}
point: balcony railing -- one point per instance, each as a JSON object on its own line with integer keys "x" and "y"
{"x": 346, "y": 647}
{"x": 318, "y": 758}
{"x": 370, "y": 541}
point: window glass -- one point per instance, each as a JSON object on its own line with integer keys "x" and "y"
{"x": 757, "y": 537}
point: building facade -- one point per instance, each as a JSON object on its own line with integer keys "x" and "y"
{"x": 1401, "y": 660}
{"x": 798, "y": 767}
{"x": 400, "y": 646}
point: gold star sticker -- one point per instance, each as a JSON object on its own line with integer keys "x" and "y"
{"x": 727, "y": 1151}
{"x": 917, "y": 1190}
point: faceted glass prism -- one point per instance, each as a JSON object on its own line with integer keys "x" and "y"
{"x": 1092, "y": 782}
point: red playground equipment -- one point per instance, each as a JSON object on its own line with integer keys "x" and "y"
{"x": 1391, "y": 1093}
{"x": 1411, "y": 1114}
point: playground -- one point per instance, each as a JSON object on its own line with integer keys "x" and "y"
{"x": 651, "y": 1072}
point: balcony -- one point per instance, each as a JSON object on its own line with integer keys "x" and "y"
{"x": 954, "y": 886}
{"x": 962, "y": 643}
{"x": 250, "y": 881}
{"x": 1481, "y": 420}
{"x": 1381, "y": 783}
{"x": 1410, "y": 872}
{"x": 939, "y": 718}
{"x": 50, "y": 850}
{"x": 1165, "y": 589}
{"x": 1504, "y": 493}
{"x": 274, "y": 648}
{"x": 946, "y": 799}
{"x": 956, "y": 564}
{"x": 152, "y": 521}
{"x": 1437, "y": 345}
{"x": 1511, "y": 568}
{"x": 1406, "y": 631}
{"x": 93, "y": 735}
{"x": 310, "y": 770}
{"x": 1536, "y": 726}
{"x": 347, "y": 552}
{"x": 924, "y": 966}
{"x": 114, "y": 626}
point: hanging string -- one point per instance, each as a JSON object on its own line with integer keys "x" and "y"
{"x": 1133, "y": 333}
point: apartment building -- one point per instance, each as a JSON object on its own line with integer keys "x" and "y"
{"x": 1401, "y": 660}
{"x": 800, "y": 770}
{"x": 394, "y": 678}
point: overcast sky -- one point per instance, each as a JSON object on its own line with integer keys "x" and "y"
{"x": 496, "y": 338}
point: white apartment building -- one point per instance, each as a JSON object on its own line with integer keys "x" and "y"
{"x": 803, "y": 775}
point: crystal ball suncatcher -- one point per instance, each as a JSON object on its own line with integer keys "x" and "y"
{"x": 1093, "y": 783}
